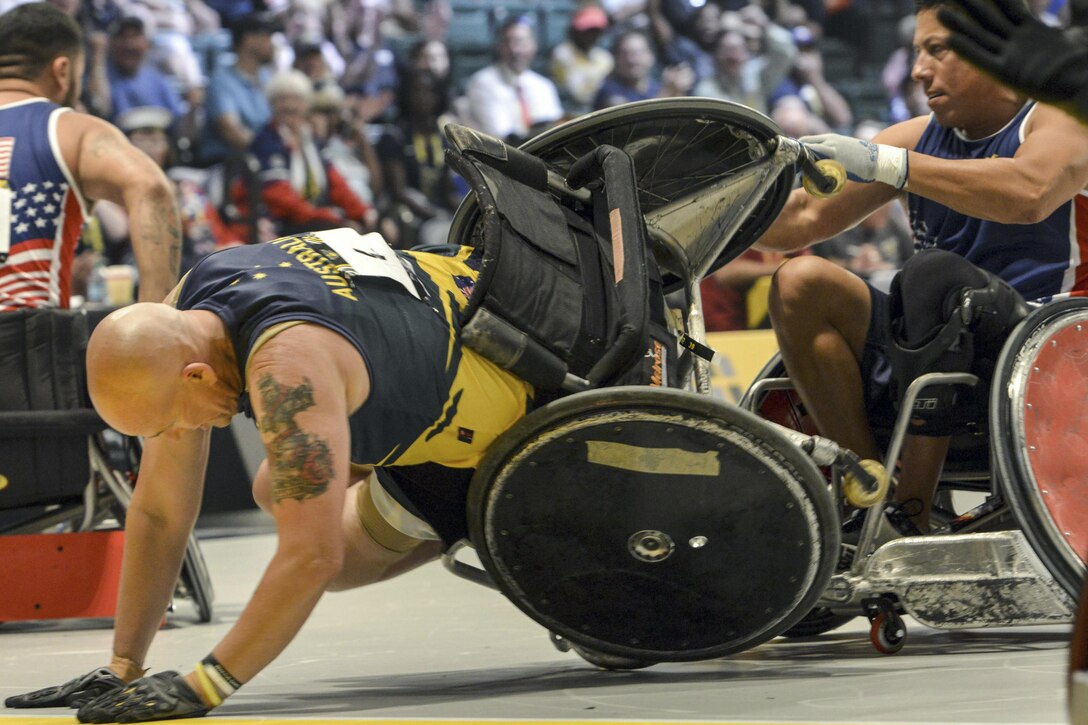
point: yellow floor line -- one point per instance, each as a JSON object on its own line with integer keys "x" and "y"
{"x": 32, "y": 720}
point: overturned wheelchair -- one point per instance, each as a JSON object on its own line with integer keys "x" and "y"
{"x": 637, "y": 520}
{"x": 641, "y": 520}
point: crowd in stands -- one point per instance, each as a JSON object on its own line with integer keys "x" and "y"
{"x": 275, "y": 117}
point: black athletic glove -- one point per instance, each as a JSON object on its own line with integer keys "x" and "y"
{"x": 162, "y": 696}
{"x": 1002, "y": 38}
{"x": 72, "y": 693}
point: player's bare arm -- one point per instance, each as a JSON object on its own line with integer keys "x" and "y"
{"x": 108, "y": 167}
{"x": 1049, "y": 168}
{"x": 302, "y": 401}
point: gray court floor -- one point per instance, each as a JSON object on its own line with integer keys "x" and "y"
{"x": 430, "y": 646}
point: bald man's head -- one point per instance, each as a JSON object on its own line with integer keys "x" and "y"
{"x": 135, "y": 363}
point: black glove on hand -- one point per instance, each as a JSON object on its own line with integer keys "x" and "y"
{"x": 72, "y": 693}
{"x": 162, "y": 696}
{"x": 1002, "y": 38}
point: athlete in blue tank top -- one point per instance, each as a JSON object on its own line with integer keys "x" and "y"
{"x": 989, "y": 175}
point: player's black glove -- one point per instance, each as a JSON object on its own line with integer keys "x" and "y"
{"x": 1003, "y": 38}
{"x": 72, "y": 693}
{"x": 162, "y": 696}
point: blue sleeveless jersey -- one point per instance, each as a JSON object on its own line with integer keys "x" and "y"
{"x": 47, "y": 209}
{"x": 1041, "y": 260}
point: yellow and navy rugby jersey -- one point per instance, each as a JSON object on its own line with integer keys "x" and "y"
{"x": 430, "y": 401}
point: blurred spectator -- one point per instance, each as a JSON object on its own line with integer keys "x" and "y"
{"x": 305, "y": 31}
{"x": 236, "y": 105}
{"x": 744, "y": 77}
{"x": 301, "y": 191}
{"x": 506, "y": 99}
{"x": 171, "y": 25}
{"x": 806, "y": 81}
{"x": 412, "y": 154}
{"x": 202, "y": 229}
{"x": 626, "y": 14}
{"x": 344, "y": 143}
{"x": 134, "y": 83}
{"x": 795, "y": 119}
{"x": 876, "y": 248}
{"x": 632, "y": 77}
{"x": 357, "y": 28}
{"x": 691, "y": 45}
{"x": 900, "y": 59}
{"x": 310, "y": 59}
{"x": 430, "y": 56}
{"x": 909, "y": 102}
{"x": 578, "y": 64}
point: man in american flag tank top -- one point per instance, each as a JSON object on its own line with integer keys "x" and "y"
{"x": 54, "y": 162}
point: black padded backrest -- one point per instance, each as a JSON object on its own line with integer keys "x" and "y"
{"x": 45, "y": 413}
{"x": 565, "y": 287}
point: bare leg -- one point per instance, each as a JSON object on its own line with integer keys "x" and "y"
{"x": 820, "y": 315}
{"x": 922, "y": 460}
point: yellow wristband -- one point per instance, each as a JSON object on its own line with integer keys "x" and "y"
{"x": 206, "y": 684}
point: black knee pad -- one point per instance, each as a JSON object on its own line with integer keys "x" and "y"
{"x": 947, "y": 316}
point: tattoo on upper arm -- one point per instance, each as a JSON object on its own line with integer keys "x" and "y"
{"x": 301, "y": 464}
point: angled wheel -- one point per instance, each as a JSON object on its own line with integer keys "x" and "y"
{"x": 653, "y": 525}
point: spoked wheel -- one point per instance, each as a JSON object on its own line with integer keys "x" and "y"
{"x": 1037, "y": 434}
{"x": 888, "y": 633}
{"x": 818, "y": 621}
{"x": 706, "y": 169}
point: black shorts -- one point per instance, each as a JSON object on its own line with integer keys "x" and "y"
{"x": 876, "y": 370}
{"x": 437, "y": 494}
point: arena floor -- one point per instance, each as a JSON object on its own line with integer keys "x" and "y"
{"x": 432, "y": 648}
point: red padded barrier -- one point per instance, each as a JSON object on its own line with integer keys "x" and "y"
{"x": 60, "y": 576}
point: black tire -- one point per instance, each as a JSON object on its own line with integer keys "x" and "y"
{"x": 610, "y": 662}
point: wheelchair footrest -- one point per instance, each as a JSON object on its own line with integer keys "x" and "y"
{"x": 971, "y": 580}
{"x": 60, "y": 576}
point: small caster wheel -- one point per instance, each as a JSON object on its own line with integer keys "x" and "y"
{"x": 610, "y": 662}
{"x": 857, "y": 493}
{"x": 888, "y": 633}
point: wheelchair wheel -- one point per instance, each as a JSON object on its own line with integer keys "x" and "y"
{"x": 653, "y": 524}
{"x": 708, "y": 154}
{"x": 1038, "y": 430}
{"x": 610, "y": 662}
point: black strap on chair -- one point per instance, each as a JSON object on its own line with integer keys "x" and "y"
{"x": 566, "y": 293}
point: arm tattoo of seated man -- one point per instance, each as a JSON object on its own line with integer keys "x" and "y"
{"x": 301, "y": 464}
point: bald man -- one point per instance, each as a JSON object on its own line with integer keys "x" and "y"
{"x": 346, "y": 354}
